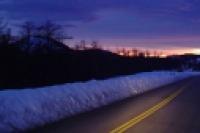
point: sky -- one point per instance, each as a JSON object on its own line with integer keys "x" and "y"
{"x": 168, "y": 25}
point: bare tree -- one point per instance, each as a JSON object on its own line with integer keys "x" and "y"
{"x": 3, "y": 26}
{"x": 27, "y": 29}
{"x": 95, "y": 45}
{"x": 135, "y": 52}
{"x": 141, "y": 54}
{"x": 147, "y": 53}
{"x": 5, "y": 33}
{"x": 83, "y": 45}
{"x": 157, "y": 54}
{"x": 125, "y": 52}
{"x": 77, "y": 47}
{"x": 50, "y": 30}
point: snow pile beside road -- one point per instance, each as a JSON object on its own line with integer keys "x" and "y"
{"x": 28, "y": 108}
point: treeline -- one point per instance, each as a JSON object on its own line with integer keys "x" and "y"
{"x": 38, "y": 57}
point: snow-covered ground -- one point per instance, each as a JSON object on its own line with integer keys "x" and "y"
{"x": 28, "y": 108}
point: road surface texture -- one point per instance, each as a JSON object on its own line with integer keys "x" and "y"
{"x": 171, "y": 109}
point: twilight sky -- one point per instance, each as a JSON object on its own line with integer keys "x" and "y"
{"x": 155, "y": 24}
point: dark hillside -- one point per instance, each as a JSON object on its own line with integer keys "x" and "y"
{"x": 20, "y": 68}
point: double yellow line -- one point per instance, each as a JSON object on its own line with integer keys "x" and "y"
{"x": 147, "y": 113}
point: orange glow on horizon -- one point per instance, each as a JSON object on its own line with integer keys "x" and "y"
{"x": 162, "y": 52}
{"x": 196, "y": 51}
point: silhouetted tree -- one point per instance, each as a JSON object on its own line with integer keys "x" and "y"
{"x": 147, "y": 53}
{"x": 5, "y": 33}
{"x": 141, "y": 54}
{"x": 50, "y": 30}
{"x": 77, "y": 47}
{"x": 124, "y": 53}
{"x": 81, "y": 45}
{"x": 3, "y": 26}
{"x": 27, "y": 30}
{"x": 135, "y": 52}
{"x": 95, "y": 45}
{"x": 156, "y": 54}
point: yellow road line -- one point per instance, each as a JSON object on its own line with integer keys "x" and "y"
{"x": 147, "y": 113}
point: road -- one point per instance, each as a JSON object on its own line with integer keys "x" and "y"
{"x": 171, "y": 109}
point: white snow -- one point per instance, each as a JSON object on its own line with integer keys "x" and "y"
{"x": 29, "y": 108}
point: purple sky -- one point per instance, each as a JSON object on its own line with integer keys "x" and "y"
{"x": 161, "y": 24}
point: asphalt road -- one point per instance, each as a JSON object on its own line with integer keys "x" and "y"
{"x": 176, "y": 109}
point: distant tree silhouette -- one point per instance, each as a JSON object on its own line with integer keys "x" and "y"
{"x": 147, "y": 53}
{"x": 156, "y": 54}
{"x": 3, "y": 26}
{"x": 27, "y": 30}
{"x": 124, "y": 53}
{"x": 77, "y": 47}
{"x": 50, "y": 30}
{"x": 141, "y": 54}
{"x": 5, "y": 33}
{"x": 135, "y": 52}
{"x": 95, "y": 45}
{"x": 81, "y": 45}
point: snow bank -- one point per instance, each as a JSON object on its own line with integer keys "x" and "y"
{"x": 28, "y": 108}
